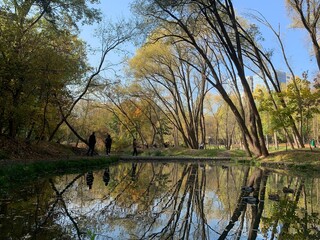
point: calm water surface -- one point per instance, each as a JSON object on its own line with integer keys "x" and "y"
{"x": 165, "y": 201}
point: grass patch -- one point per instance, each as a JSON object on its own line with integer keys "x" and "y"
{"x": 193, "y": 152}
{"x": 303, "y": 160}
{"x": 298, "y": 161}
{"x": 18, "y": 173}
{"x": 294, "y": 156}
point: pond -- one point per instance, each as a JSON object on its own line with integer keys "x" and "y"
{"x": 165, "y": 200}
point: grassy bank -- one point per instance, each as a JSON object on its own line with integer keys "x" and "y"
{"x": 21, "y": 170}
{"x": 11, "y": 174}
{"x": 297, "y": 161}
{"x": 214, "y": 152}
{"x": 305, "y": 162}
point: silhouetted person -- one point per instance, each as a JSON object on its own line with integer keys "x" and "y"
{"x": 135, "y": 145}
{"x": 106, "y": 176}
{"x": 133, "y": 171}
{"x": 108, "y": 142}
{"x": 92, "y": 143}
{"x": 89, "y": 179}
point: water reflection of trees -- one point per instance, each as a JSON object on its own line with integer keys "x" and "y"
{"x": 186, "y": 206}
{"x": 257, "y": 182}
{"x": 183, "y": 201}
{"x": 179, "y": 201}
{"x": 33, "y": 212}
{"x": 58, "y": 202}
{"x": 296, "y": 215}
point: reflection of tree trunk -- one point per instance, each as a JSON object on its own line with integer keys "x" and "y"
{"x": 185, "y": 203}
{"x": 239, "y": 231}
{"x": 71, "y": 218}
{"x": 290, "y": 212}
{"x": 129, "y": 175}
{"x": 240, "y": 208}
{"x": 235, "y": 216}
{"x": 274, "y": 229}
{"x": 258, "y": 210}
{"x": 196, "y": 187}
{"x": 168, "y": 229}
{"x": 190, "y": 187}
{"x": 200, "y": 200}
{"x": 59, "y": 198}
{"x": 305, "y": 219}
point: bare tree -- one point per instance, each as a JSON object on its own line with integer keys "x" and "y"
{"x": 266, "y": 70}
{"x": 112, "y": 35}
{"x": 180, "y": 91}
{"x": 213, "y": 31}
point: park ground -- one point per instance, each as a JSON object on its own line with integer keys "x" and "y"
{"x": 15, "y": 151}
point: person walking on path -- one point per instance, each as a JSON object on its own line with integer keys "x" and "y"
{"x": 108, "y": 142}
{"x": 312, "y": 143}
{"x": 92, "y": 143}
{"x": 135, "y": 145}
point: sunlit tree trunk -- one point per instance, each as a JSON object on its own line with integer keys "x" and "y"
{"x": 275, "y": 140}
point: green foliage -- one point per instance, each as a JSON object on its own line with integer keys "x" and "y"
{"x": 91, "y": 235}
{"x": 308, "y": 98}
{"x": 41, "y": 56}
{"x": 57, "y": 12}
{"x": 157, "y": 153}
{"x": 300, "y": 103}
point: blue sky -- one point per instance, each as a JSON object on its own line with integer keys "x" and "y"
{"x": 296, "y": 41}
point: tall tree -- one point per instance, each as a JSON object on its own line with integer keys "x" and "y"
{"x": 40, "y": 56}
{"x": 112, "y": 35}
{"x": 213, "y": 31}
{"x": 307, "y": 108}
{"x": 32, "y": 70}
{"x": 266, "y": 70}
{"x": 167, "y": 72}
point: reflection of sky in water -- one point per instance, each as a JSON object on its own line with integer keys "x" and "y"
{"x": 92, "y": 208}
{"x": 141, "y": 203}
